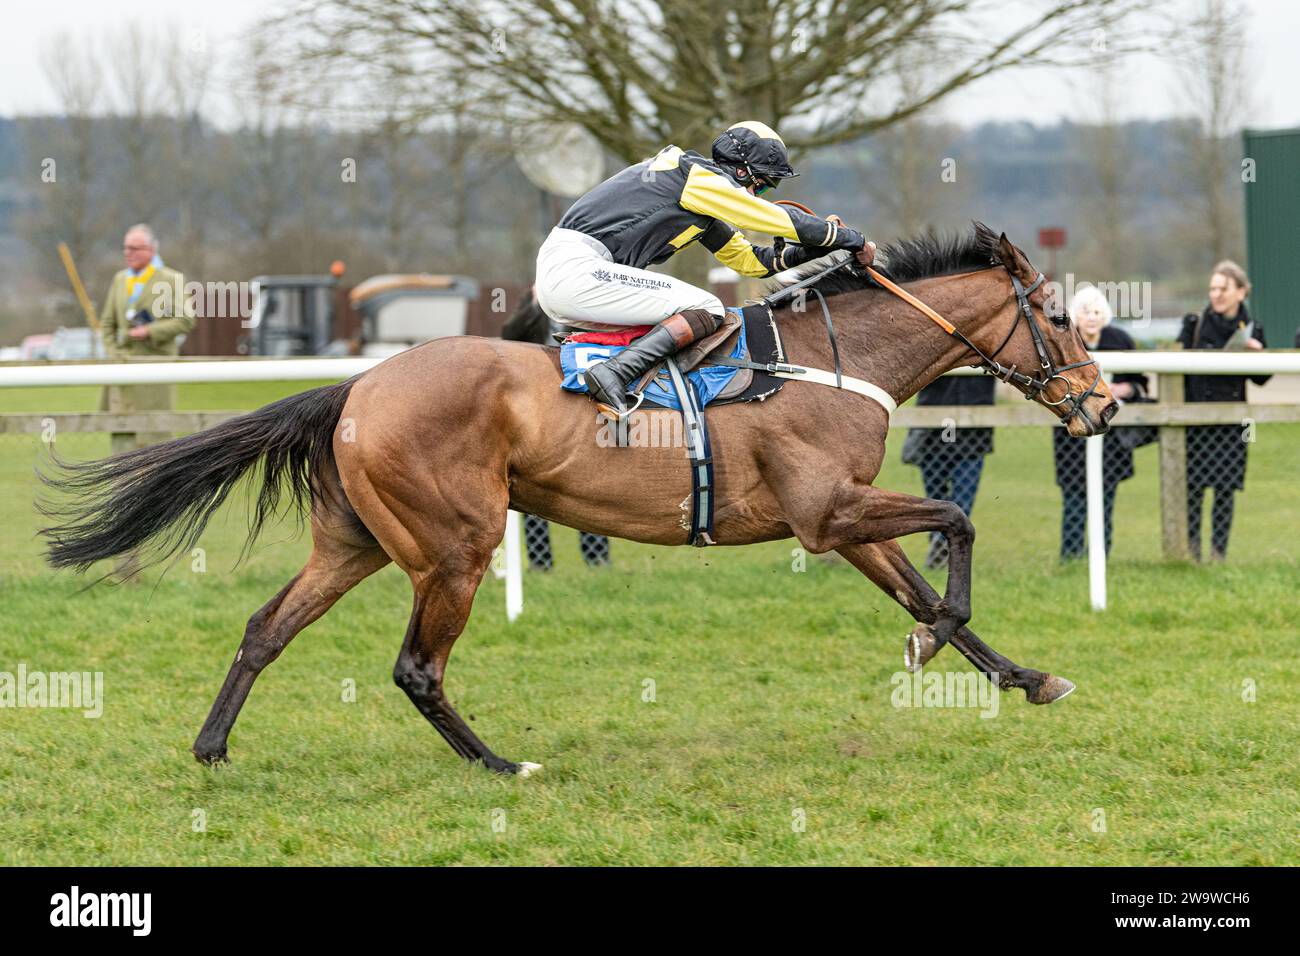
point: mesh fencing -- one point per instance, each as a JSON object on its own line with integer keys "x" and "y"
{"x": 1216, "y": 463}
{"x": 1239, "y": 494}
{"x": 1029, "y": 484}
{"x": 594, "y": 548}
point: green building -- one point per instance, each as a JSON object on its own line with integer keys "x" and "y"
{"x": 1273, "y": 231}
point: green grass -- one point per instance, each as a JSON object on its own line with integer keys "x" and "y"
{"x": 772, "y": 695}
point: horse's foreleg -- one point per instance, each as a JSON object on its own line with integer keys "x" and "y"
{"x": 885, "y": 564}
{"x": 889, "y": 569}
{"x": 329, "y": 573}
{"x": 863, "y": 515}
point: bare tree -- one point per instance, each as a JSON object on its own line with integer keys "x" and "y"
{"x": 187, "y": 68}
{"x": 639, "y": 73}
{"x": 422, "y": 174}
{"x": 407, "y": 185}
{"x": 472, "y": 155}
{"x": 1216, "y": 87}
{"x": 1104, "y": 175}
{"x": 137, "y": 89}
{"x": 259, "y": 181}
{"x": 61, "y": 156}
{"x": 907, "y": 169}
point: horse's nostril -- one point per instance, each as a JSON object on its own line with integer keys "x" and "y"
{"x": 1108, "y": 412}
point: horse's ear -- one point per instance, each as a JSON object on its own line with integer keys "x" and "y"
{"x": 1015, "y": 261}
{"x": 1006, "y": 251}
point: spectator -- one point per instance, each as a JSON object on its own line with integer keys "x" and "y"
{"x": 145, "y": 313}
{"x": 529, "y": 323}
{"x": 1092, "y": 316}
{"x": 1216, "y": 454}
{"x": 951, "y": 459}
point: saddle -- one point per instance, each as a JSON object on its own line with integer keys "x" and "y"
{"x": 730, "y": 365}
{"x": 747, "y": 337}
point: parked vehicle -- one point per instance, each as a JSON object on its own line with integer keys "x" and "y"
{"x": 293, "y": 315}
{"x": 306, "y": 314}
{"x": 77, "y": 343}
{"x": 36, "y": 346}
{"x": 399, "y": 311}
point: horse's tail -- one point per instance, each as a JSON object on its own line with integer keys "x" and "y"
{"x": 160, "y": 497}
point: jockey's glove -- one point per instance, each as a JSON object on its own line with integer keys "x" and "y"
{"x": 854, "y": 241}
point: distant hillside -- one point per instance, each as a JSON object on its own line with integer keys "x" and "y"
{"x": 233, "y": 205}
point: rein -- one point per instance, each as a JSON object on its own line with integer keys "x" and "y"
{"x": 1034, "y": 387}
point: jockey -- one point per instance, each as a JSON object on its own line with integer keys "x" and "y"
{"x": 591, "y": 268}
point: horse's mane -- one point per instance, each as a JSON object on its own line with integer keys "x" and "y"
{"x": 907, "y": 260}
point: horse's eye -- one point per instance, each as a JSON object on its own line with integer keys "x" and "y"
{"x": 1057, "y": 313}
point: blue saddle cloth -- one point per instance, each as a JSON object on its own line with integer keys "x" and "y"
{"x": 709, "y": 381}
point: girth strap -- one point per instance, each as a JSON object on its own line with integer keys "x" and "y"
{"x": 697, "y": 446}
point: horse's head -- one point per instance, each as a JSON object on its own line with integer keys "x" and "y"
{"x": 1044, "y": 356}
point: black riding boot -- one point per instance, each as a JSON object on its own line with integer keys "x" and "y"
{"x": 608, "y": 381}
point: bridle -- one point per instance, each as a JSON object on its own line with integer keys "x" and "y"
{"x": 1033, "y": 386}
{"x": 1048, "y": 370}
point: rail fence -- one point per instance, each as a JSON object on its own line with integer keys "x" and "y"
{"x": 1194, "y": 439}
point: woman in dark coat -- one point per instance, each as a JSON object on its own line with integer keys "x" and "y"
{"x": 1092, "y": 315}
{"x": 951, "y": 459}
{"x": 1216, "y": 454}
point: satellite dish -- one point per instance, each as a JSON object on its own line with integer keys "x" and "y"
{"x": 560, "y": 158}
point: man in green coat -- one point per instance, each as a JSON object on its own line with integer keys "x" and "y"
{"x": 145, "y": 312}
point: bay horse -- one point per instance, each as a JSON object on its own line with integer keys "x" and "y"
{"x": 417, "y": 460}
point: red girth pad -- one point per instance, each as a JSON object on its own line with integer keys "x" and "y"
{"x": 621, "y": 337}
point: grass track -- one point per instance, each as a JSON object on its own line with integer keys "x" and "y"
{"x": 772, "y": 695}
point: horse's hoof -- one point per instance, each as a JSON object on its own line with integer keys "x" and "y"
{"x": 920, "y": 647}
{"x": 526, "y": 769}
{"x": 1049, "y": 689}
{"x": 211, "y": 758}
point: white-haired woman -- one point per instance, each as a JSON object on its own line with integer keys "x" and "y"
{"x": 1092, "y": 315}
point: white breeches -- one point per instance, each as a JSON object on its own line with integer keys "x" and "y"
{"x": 579, "y": 284}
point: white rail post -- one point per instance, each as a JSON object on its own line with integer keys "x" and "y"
{"x": 514, "y": 567}
{"x": 1096, "y": 524}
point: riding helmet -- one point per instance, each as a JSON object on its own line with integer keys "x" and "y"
{"x": 756, "y": 146}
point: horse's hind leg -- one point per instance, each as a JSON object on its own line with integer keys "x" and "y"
{"x": 337, "y": 563}
{"x": 890, "y": 570}
{"x": 443, "y": 598}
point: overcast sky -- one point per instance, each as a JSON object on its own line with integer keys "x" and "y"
{"x": 1273, "y": 61}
